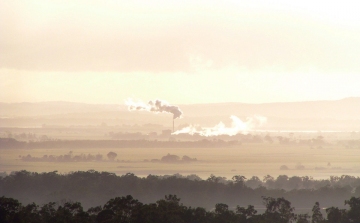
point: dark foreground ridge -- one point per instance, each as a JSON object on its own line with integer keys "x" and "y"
{"x": 93, "y": 188}
{"x": 129, "y": 210}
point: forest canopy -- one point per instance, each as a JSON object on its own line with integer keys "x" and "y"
{"x": 93, "y": 188}
{"x": 129, "y": 209}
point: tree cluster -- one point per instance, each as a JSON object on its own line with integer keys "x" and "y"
{"x": 126, "y": 209}
{"x": 69, "y": 158}
{"x": 10, "y": 143}
{"x": 93, "y": 188}
{"x": 171, "y": 158}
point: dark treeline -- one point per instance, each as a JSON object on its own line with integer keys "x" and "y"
{"x": 93, "y": 188}
{"x": 172, "y": 142}
{"x": 126, "y": 209}
{"x": 9, "y": 143}
{"x": 69, "y": 157}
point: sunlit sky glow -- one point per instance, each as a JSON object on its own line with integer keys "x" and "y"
{"x": 181, "y": 51}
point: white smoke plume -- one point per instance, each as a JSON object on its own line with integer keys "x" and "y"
{"x": 237, "y": 126}
{"x": 156, "y": 106}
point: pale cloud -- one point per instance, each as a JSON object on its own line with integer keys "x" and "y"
{"x": 207, "y": 86}
{"x": 182, "y": 51}
{"x": 164, "y": 36}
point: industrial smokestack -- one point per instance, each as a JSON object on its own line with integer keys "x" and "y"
{"x": 157, "y": 106}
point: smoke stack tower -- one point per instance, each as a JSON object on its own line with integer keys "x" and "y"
{"x": 156, "y": 106}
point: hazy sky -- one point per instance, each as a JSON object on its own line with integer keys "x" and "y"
{"x": 180, "y": 51}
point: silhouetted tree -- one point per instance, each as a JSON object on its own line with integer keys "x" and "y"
{"x": 336, "y": 215}
{"x": 30, "y": 214}
{"x": 170, "y": 158}
{"x": 111, "y": 156}
{"x": 354, "y": 212}
{"x": 9, "y": 209}
{"x": 245, "y": 213}
{"x": 122, "y": 209}
{"x": 223, "y": 214}
{"x": 303, "y": 218}
{"x": 278, "y": 210}
{"x": 238, "y": 179}
{"x": 47, "y": 212}
{"x": 170, "y": 209}
{"x": 317, "y": 216}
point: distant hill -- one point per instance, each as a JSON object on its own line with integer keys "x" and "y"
{"x": 54, "y": 107}
{"x": 309, "y": 115}
{"x": 348, "y": 108}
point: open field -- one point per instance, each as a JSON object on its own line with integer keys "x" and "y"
{"x": 255, "y": 159}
